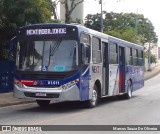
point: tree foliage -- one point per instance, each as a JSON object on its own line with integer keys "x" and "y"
{"x": 93, "y": 21}
{"x": 22, "y": 12}
{"x": 16, "y": 13}
{"x": 128, "y": 26}
{"x": 153, "y": 59}
{"x": 0, "y": 12}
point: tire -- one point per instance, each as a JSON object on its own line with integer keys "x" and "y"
{"x": 94, "y": 101}
{"x": 43, "y": 103}
{"x": 128, "y": 95}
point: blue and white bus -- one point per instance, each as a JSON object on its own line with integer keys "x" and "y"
{"x": 65, "y": 62}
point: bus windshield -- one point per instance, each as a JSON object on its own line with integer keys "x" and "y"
{"x": 49, "y": 55}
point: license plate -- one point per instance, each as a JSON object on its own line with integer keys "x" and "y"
{"x": 40, "y": 94}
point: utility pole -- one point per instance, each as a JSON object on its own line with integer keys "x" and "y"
{"x": 136, "y": 30}
{"x": 101, "y": 16}
{"x": 149, "y": 57}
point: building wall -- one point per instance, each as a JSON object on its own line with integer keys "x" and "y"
{"x": 158, "y": 53}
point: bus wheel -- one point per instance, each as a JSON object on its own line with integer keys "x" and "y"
{"x": 43, "y": 103}
{"x": 93, "y": 102}
{"x": 128, "y": 95}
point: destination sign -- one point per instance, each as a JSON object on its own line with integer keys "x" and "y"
{"x": 52, "y": 31}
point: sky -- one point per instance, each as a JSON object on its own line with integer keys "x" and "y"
{"x": 149, "y": 8}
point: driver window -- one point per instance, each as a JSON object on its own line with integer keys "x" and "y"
{"x": 85, "y": 53}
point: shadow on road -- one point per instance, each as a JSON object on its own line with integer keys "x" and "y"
{"x": 65, "y": 107}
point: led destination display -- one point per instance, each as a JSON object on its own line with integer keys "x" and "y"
{"x": 46, "y": 31}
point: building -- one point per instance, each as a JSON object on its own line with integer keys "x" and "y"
{"x": 158, "y": 53}
{"x": 154, "y": 51}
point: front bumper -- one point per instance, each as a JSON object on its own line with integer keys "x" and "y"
{"x": 53, "y": 94}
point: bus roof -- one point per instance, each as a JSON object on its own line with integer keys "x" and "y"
{"x": 109, "y": 37}
{"x": 83, "y": 29}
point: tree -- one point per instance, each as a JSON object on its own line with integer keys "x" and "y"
{"x": 128, "y": 26}
{"x": 93, "y": 21}
{"x": 16, "y": 13}
{"x": 70, "y": 5}
{"x": 27, "y": 11}
{"x": 1, "y": 16}
{"x": 54, "y": 9}
{"x": 0, "y": 13}
{"x": 153, "y": 59}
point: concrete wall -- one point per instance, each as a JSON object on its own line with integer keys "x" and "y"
{"x": 152, "y": 65}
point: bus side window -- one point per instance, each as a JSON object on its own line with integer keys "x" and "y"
{"x": 140, "y": 58}
{"x": 85, "y": 53}
{"x": 96, "y": 50}
{"x": 113, "y": 53}
{"x": 135, "y": 56}
{"x": 85, "y": 48}
{"x": 129, "y": 60}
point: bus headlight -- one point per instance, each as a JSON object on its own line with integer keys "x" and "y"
{"x": 18, "y": 83}
{"x": 70, "y": 84}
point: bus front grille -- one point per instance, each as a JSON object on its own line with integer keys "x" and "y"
{"x": 48, "y": 95}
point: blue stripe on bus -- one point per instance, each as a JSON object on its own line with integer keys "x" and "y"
{"x": 84, "y": 90}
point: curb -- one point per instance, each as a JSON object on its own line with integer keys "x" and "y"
{"x": 16, "y": 103}
{"x": 151, "y": 74}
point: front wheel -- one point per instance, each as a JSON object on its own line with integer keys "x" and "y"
{"x": 93, "y": 102}
{"x": 43, "y": 103}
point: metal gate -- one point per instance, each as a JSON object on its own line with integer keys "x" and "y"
{"x": 6, "y": 76}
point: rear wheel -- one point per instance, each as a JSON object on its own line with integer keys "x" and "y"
{"x": 43, "y": 103}
{"x": 93, "y": 102}
{"x": 128, "y": 95}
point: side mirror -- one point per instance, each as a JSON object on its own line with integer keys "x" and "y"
{"x": 11, "y": 48}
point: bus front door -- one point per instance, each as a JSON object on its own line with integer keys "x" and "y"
{"x": 105, "y": 73}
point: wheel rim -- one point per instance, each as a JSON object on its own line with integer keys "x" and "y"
{"x": 129, "y": 91}
{"x": 94, "y": 97}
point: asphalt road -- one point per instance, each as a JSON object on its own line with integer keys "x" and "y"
{"x": 142, "y": 109}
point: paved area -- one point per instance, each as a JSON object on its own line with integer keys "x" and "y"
{"x": 6, "y": 99}
{"x": 152, "y": 73}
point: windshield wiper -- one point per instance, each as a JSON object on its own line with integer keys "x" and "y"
{"x": 53, "y": 49}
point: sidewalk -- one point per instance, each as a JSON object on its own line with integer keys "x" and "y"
{"x": 6, "y": 99}
{"x": 149, "y": 74}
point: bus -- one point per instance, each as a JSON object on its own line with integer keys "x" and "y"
{"x": 69, "y": 62}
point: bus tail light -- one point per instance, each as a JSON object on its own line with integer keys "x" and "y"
{"x": 70, "y": 84}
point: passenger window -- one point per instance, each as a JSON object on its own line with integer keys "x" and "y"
{"x": 135, "y": 57}
{"x": 129, "y": 60}
{"x": 113, "y": 53}
{"x": 96, "y": 50}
